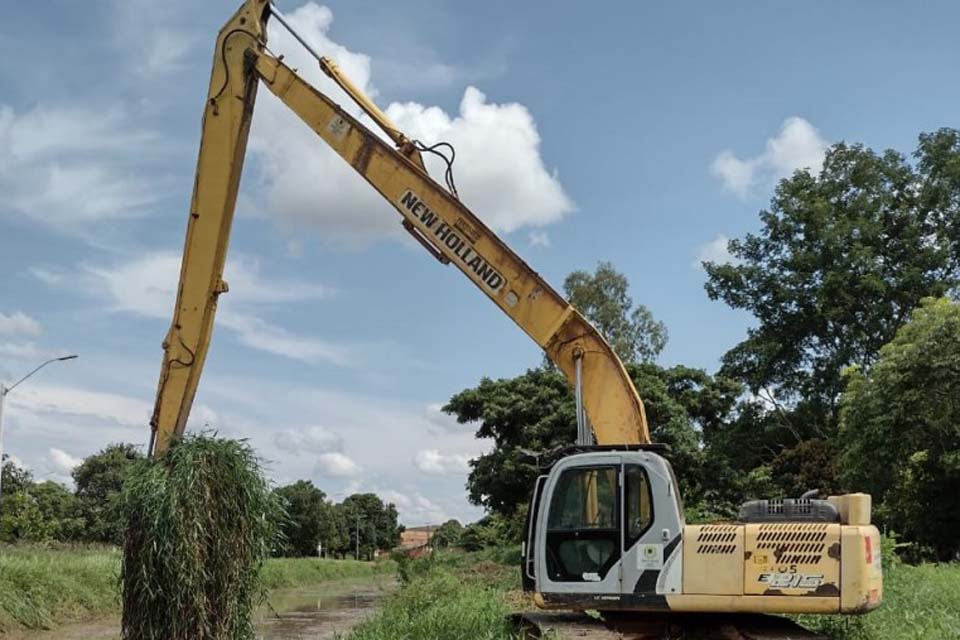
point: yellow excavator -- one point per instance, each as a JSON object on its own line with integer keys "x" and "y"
{"x": 605, "y": 529}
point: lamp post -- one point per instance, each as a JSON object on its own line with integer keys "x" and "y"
{"x": 4, "y": 391}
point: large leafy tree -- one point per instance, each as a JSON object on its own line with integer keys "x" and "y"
{"x": 99, "y": 480}
{"x": 603, "y": 297}
{"x": 841, "y": 260}
{"x": 899, "y": 429}
{"x": 311, "y": 520}
{"x": 535, "y": 412}
{"x": 377, "y": 526}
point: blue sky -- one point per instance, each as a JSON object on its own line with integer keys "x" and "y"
{"x": 639, "y": 133}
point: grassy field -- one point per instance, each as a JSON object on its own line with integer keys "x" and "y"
{"x": 458, "y": 596}
{"x": 45, "y": 588}
{"x": 455, "y": 596}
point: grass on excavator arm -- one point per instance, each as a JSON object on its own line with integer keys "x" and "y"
{"x": 200, "y": 525}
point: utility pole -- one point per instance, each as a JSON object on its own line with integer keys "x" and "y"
{"x": 357, "y": 555}
{"x": 4, "y": 391}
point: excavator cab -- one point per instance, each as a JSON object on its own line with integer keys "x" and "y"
{"x": 605, "y": 531}
{"x": 602, "y": 525}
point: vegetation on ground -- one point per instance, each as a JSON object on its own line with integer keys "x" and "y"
{"x": 447, "y": 596}
{"x": 44, "y": 587}
{"x": 469, "y": 595}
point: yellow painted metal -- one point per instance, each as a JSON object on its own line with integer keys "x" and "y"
{"x": 752, "y": 604}
{"x": 613, "y": 405}
{"x": 713, "y": 559}
{"x": 861, "y": 582}
{"x": 404, "y": 144}
{"x": 226, "y": 123}
{"x": 439, "y": 220}
{"x": 854, "y": 508}
{"x": 792, "y": 558}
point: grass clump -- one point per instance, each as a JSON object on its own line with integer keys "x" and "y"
{"x": 436, "y": 603}
{"x": 200, "y": 525}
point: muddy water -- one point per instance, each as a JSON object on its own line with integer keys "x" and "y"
{"x": 321, "y": 612}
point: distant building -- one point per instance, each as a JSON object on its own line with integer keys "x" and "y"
{"x": 416, "y": 540}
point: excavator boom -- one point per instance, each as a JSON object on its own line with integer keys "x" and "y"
{"x": 435, "y": 216}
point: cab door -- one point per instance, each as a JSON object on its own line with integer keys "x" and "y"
{"x": 579, "y": 547}
{"x": 652, "y": 526}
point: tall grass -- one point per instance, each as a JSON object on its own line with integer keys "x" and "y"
{"x": 41, "y": 588}
{"x": 919, "y": 603}
{"x": 201, "y": 521}
{"x": 437, "y": 604}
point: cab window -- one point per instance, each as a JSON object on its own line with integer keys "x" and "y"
{"x": 583, "y": 535}
{"x": 638, "y": 503}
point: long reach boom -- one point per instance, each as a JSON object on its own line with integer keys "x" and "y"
{"x": 434, "y": 215}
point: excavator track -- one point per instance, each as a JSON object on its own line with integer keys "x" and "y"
{"x": 572, "y": 625}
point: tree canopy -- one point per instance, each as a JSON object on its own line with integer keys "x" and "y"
{"x": 311, "y": 520}
{"x": 899, "y": 429}
{"x": 99, "y": 481}
{"x": 536, "y": 412}
{"x": 603, "y": 297}
{"x": 842, "y": 259}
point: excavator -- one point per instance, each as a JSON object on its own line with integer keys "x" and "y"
{"x": 606, "y": 528}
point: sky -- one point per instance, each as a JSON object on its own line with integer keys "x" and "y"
{"x": 645, "y": 134}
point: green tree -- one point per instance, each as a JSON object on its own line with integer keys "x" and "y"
{"x": 603, "y": 297}
{"x": 899, "y": 429}
{"x": 447, "y": 535}
{"x": 311, "y": 520}
{"x": 536, "y": 412}
{"x": 377, "y": 526}
{"x": 60, "y": 508}
{"x": 16, "y": 479}
{"x": 841, "y": 260}
{"x": 22, "y": 520}
{"x": 99, "y": 480}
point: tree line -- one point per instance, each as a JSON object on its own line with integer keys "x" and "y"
{"x": 847, "y": 380}
{"x": 310, "y": 524}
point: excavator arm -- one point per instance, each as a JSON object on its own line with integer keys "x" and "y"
{"x": 435, "y": 216}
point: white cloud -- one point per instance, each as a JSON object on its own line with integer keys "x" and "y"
{"x": 433, "y": 462}
{"x": 798, "y": 145}
{"x": 416, "y": 509}
{"x": 59, "y": 165}
{"x": 539, "y": 239}
{"x": 19, "y": 323}
{"x": 715, "y": 251}
{"x": 438, "y": 421}
{"x": 63, "y": 461}
{"x": 23, "y": 351}
{"x": 336, "y": 465}
{"x": 154, "y": 37}
{"x": 146, "y": 286}
{"x": 41, "y": 398}
{"x": 310, "y": 440}
{"x": 499, "y": 170}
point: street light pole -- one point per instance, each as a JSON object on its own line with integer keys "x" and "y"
{"x": 4, "y": 392}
